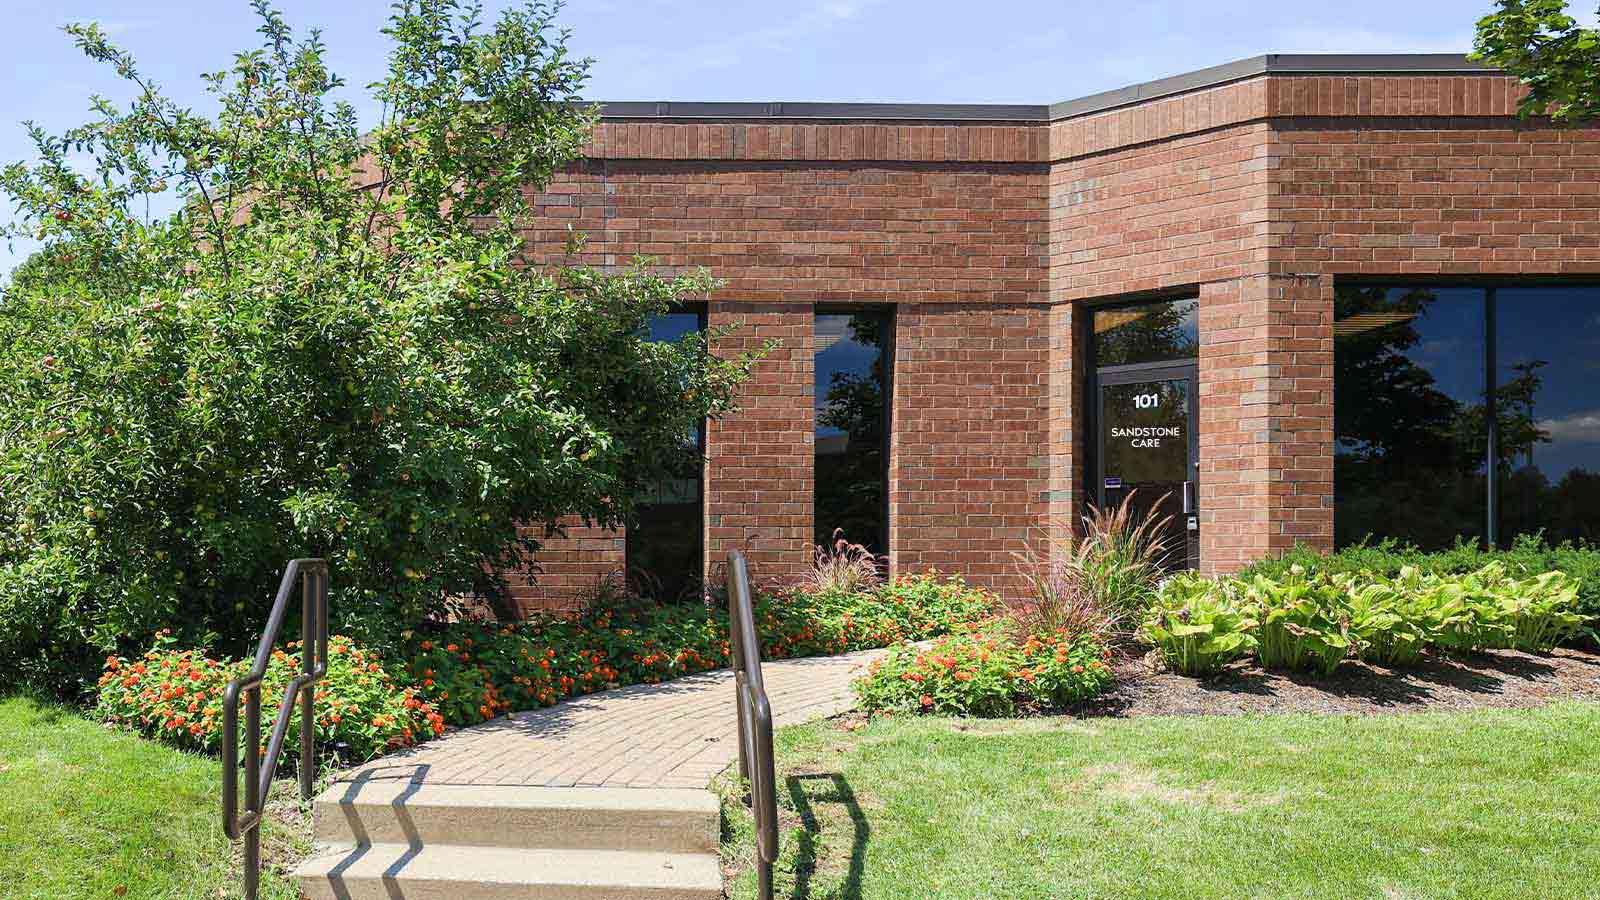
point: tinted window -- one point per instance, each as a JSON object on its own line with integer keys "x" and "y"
{"x": 852, "y": 413}
{"x": 1548, "y": 404}
{"x": 1409, "y": 428}
{"x": 1151, "y": 332}
{"x": 663, "y": 543}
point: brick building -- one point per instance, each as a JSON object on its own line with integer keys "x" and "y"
{"x": 992, "y": 315}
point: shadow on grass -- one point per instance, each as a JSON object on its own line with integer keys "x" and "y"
{"x": 827, "y": 787}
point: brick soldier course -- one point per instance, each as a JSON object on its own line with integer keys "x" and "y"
{"x": 993, "y": 230}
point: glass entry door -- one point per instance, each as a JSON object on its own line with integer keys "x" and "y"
{"x": 1148, "y": 451}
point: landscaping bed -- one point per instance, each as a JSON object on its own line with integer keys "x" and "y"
{"x": 1494, "y": 679}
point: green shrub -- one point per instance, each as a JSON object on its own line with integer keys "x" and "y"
{"x": 1528, "y": 556}
{"x": 987, "y": 672}
{"x": 474, "y": 671}
{"x": 1393, "y": 622}
{"x": 1304, "y": 623}
{"x": 293, "y": 363}
{"x": 1313, "y": 621}
{"x": 176, "y": 696}
{"x": 1198, "y": 625}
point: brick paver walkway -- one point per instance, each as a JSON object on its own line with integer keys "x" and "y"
{"x": 674, "y": 735}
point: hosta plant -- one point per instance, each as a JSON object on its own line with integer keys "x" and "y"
{"x": 1304, "y": 622}
{"x": 1543, "y": 612}
{"x": 1395, "y": 620}
{"x": 1198, "y": 625}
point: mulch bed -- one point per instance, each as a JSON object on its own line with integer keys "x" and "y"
{"x": 1500, "y": 679}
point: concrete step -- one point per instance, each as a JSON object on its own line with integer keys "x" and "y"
{"x": 671, "y": 820}
{"x": 459, "y": 872}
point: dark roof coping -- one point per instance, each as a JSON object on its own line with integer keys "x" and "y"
{"x": 1271, "y": 63}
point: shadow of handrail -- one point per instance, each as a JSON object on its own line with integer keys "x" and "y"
{"x": 806, "y": 852}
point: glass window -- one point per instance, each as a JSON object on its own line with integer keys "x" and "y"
{"x": 1409, "y": 426}
{"x": 1412, "y": 421}
{"x": 663, "y": 543}
{"x": 1166, "y": 331}
{"x": 1547, "y": 401}
{"x": 852, "y": 418}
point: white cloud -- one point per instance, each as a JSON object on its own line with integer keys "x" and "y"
{"x": 1582, "y": 427}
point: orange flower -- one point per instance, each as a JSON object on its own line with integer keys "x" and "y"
{"x": 926, "y": 701}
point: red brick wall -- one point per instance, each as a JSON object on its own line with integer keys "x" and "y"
{"x": 990, "y": 238}
{"x": 759, "y": 483}
{"x": 568, "y": 569}
{"x": 1184, "y": 211}
{"x": 1266, "y": 417}
{"x": 1427, "y": 196}
{"x": 942, "y": 219}
{"x": 968, "y": 470}
{"x": 811, "y": 232}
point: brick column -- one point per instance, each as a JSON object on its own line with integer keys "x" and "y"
{"x": 759, "y": 460}
{"x": 1065, "y": 443}
{"x": 969, "y": 467}
{"x": 1266, "y": 417}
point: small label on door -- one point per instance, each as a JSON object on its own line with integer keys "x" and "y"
{"x": 1194, "y": 523}
{"x": 1113, "y": 483}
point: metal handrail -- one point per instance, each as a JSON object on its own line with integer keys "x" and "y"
{"x": 259, "y": 768}
{"x": 755, "y": 720}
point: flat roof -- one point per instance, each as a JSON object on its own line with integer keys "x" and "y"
{"x": 1266, "y": 64}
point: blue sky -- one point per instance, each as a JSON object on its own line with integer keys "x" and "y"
{"x": 999, "y": 51}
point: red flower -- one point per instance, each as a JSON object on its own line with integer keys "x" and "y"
{"x": 926, "y": 701}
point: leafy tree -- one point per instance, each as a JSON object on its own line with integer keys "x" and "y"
{"x": 1557, "y": 58}
{"x": 337, "y": 344}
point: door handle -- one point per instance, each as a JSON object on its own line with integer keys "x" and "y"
{"x": 1188, "y": 498}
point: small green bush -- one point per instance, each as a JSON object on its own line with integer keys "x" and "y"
{"x": 987, "y": 672}
{"x": 474, "y": 672}
{"x": 175, "y": 695}
{"x": 1393, "y": 622}
{"x": 1304, "y": 622}
{"x": 1198, "y": 624}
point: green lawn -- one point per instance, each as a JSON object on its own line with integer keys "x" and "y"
{"x": 1421, "y": 806}
{"x": 90, "y": 812}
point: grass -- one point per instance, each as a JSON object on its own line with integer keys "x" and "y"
{"x": 86, "y": 811}
{"x": 1484, "y": 804}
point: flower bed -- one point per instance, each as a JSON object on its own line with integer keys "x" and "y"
{"x": 474, "y": 672}
{"x": 1313, "y": 621}
{"x": 176, "y": 695}
{"x": 988, "y": 672}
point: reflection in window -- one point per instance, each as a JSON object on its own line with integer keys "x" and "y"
{"x": 1408, "y": 414}
{"x": 663, "y": 543}
{"x": 1548, "y": 406}
{"x": 852, "y": 413}
{"x": 1166, "y": 331}
{"x": 1411, "y": 415}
